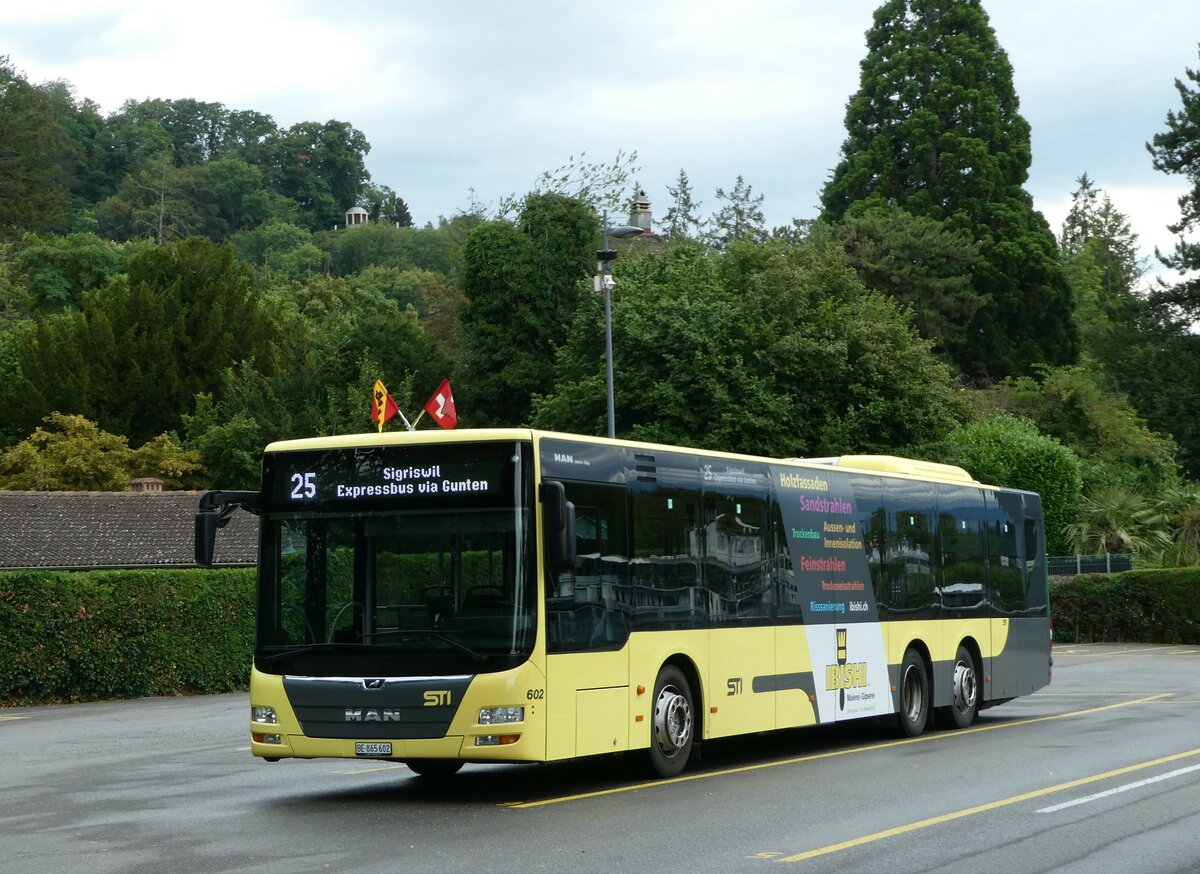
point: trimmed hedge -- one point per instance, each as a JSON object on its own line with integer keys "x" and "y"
{"x": 86, "y": 635}
{"x": 1146, "y": 606}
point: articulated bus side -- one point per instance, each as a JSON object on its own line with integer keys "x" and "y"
{"x": 443, "y": 597}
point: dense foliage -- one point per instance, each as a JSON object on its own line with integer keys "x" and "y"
{"x": 78, "y": 636}
{"x": 1147, "y": 606}
{"x": 1003, "y": 450}
{"x": 771, "y": 349}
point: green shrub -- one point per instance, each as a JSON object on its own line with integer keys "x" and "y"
{"x": 1146, "y": 606}
{"x": 85, "y": 635}
{"x": 1005, "y": 451}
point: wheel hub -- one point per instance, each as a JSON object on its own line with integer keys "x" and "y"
{"x": 672, "y": 720}
{"x": 964, "y": 687}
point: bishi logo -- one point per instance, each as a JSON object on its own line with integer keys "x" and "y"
{"x": 845, "y": 674}
{"x": 437, "y": 698}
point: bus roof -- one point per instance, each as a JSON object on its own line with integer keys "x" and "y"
{"x": 886, "y": 464}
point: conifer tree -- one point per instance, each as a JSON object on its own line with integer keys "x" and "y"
{"x": 682, "y": 219}
{"x": 1177, "y": 151}
{"x": 741, "y": 218}
{"x": 935, "y": 129}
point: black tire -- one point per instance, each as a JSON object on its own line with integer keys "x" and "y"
{"x": 913, "y": 695}
{"x": 964, "y": 692}
{"x": 672, "y": 724}
{"x": 434, "y": 767}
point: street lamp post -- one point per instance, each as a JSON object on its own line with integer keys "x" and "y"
{"x": 604, "y": 285}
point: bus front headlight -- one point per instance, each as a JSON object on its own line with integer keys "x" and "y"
{"x": 263, "y": 715}
{"x": 501, "y": 715}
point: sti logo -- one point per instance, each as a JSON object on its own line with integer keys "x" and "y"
{"x": 437, "y": 698}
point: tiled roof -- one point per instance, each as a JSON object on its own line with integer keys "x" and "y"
{"x": 113, "y": 529}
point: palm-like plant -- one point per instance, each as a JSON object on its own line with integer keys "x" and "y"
{"x": 1117, "y": 520}
{"x": 1181, "y": 507}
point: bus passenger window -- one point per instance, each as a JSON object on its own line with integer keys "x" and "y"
{"x": 587, "y": 606}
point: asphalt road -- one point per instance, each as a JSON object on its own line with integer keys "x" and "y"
{"x": 1099, "y": 772}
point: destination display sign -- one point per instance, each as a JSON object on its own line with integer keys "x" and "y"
{"x": 394, "y": 476}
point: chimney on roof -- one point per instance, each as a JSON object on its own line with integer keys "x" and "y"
{"x": 639, "y": 216}
{"x": 146, "y": 484}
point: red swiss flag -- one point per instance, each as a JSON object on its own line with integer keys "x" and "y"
{"x": 440, "y": 407}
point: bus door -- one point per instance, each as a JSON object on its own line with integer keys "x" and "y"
{"x": 588, "y": 620}
{"x": 744, "y": 682}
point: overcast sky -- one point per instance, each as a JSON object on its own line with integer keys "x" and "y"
{"x": 455, "y": 96}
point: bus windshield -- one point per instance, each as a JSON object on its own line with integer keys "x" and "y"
{"x": 436, "y": 581}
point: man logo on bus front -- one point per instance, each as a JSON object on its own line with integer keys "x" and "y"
{"x": 374, "y": 683}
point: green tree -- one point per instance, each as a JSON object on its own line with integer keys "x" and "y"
{"x": 33, "y": 180}
{"x": 601, "y": 186}
{"x": 237, "y": 188}
{"x": 767, "y": 349}
{"x": 73, "y": 454}
{"x": 384, "y": 205}
{"x": 1006, "y": 451}
{"x": 142, "y": 346}
{"x": 682, "y": 218}
{"x": 1113, "y": 442}
{"x": 920, "y": 263}
{"x": 319, "y": 166}
{"x": 83, "y": 162}
{"x": 1175, "y": 151}
{"x": 58, "y": 270}
{"x": 741, "y": 217}
{"x": 522, "y": 287}
{"x": 1100, "y": 253}
{"x": 337, "y": 338}
{"x": 935, "y": 129}
{"x": 159, "y": 202}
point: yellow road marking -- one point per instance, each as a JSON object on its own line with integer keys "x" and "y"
{"x": 12, "y": 718}
{"x": 983, "y": 808}
{"x": 926, "y": 738}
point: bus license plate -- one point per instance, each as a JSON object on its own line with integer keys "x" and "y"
{"x": 377, "y": 749}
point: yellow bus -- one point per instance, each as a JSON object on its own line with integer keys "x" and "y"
{"x": 510, "y": 595}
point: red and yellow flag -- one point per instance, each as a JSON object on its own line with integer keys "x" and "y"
{"x": 382, "y": 405}
{"x": 441, "y": 408}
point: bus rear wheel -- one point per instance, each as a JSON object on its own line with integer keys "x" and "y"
{"x": 914, "y": 694}
{"x": 434, "y": 767}
{"x": 673, "y": 728}
{"x": 964, "y": 697}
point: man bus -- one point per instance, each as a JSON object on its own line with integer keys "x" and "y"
{"x": 436, "y": 598}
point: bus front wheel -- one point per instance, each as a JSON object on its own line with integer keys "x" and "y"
{"x": 674, "y": 725}
{"x": 914, "y": 694}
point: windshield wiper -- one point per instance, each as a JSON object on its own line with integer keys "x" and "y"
{"x": 433, "y": 634}
{"x": 375, "y": 648}
{"x": 318, "y": 647}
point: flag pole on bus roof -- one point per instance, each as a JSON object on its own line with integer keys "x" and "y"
{"x": 383, "y": 407}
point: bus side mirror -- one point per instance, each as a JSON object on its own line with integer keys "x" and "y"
{"x": 558, "y": 519}
{"x": 207, "y": 523}
{"x": 216, "y": 509}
